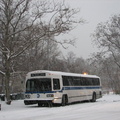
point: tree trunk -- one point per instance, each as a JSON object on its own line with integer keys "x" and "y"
{"x": 7, "y": 81}
{"x": 7, "y": 88}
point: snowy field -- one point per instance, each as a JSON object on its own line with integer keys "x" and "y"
{"x": 106, "y": 108}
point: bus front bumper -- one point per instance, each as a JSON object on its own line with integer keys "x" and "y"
{"x": 53, "y": 101}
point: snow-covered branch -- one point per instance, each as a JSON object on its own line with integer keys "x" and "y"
{"x": 2, "y": 72}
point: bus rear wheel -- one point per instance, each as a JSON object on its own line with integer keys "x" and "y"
{"x": 64, "y": 100}
{"x": 93, "y": 97}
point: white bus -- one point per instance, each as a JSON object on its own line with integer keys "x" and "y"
{"x": 55, "y": 87}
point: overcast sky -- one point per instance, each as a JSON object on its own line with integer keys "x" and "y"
{"x": 94, "y": 12}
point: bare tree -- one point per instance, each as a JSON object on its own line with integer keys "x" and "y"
{"x": 12, "y": 23}
{"x": 107, "y": 37}
{"x": 75, "y": 64}
{"x": 108, "y": 70}
{"x": 45, "y": 53}
{"x": 18, "y": 19}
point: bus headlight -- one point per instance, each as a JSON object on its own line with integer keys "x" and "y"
{"x": 50, "y": 95}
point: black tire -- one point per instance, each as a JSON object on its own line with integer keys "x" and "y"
{"x": 26, "y": 103}
{"x": 40, "y": 104}
{"x": 93, "y": 97}
{"x": 64, "y": 100}
{"x": 50, "y": 104}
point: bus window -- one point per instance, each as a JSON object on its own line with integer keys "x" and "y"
{"x": 65, "y": 81}
{"x": 38, "y": 85}
{"x": 68, "y": 80}
{"x": 76, "y": 81}
{"x": 56, "y": 84}
{"x": 96, "y": 81}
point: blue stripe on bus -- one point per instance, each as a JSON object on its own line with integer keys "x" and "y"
{"x": 68, "y": 88}
{"x": 42, "y": 92}
{"x": 78, "y": 88}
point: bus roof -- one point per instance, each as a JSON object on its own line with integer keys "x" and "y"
{"x": 62, "y": 73}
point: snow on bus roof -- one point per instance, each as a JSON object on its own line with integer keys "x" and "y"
{"x": 62, "y": 73}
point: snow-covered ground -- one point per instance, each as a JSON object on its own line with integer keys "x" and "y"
{"x": 106, "y": 108}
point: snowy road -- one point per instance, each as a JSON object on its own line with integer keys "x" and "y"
{"x": 106, "y": 108}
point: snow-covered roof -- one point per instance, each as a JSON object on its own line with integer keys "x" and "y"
{"x": 62, "y": 73}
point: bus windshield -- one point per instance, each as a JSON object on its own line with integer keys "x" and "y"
{"x": 38, "y": 85}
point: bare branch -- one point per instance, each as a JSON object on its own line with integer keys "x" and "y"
{"x": 2, "y": 72}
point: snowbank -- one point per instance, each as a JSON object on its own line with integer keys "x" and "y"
{"x": 106, "y": 108}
